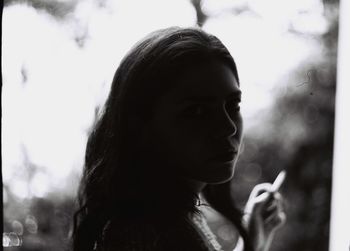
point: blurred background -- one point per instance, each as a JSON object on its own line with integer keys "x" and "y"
{"x": 59, "y": 57}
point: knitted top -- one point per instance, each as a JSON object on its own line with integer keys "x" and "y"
{"x": 145, "y": 236}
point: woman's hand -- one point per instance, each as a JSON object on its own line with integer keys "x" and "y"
{"x": 264, "y": 214}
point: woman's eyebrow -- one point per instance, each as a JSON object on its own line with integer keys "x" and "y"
{"x": 235, "y": 95}
{"x": 210, "y": 99}
{"x": 201, "y": 99}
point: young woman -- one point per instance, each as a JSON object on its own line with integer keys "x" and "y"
{"x": 169, "y": 134}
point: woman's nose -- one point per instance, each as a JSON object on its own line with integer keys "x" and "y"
{"x": 226, "y": 127}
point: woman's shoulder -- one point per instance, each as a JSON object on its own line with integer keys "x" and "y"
{"x": 129, "y": 236}
{"x": 139, "y": 235}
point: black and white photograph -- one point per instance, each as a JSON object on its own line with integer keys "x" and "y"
{"x": 175, "y": 125}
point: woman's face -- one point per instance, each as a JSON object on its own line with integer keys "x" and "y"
{"x": 196, "y": 130}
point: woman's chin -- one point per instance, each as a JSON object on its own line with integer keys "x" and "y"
{"x": 217, "y": 173}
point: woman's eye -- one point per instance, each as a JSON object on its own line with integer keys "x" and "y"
{"x": 233, "y": 107}
{"x": 195, "y": 110}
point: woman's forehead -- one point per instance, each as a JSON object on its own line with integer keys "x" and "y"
{"x": 207, "y": 81}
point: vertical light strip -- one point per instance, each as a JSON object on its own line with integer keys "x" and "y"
{"x": 340, "y": 207}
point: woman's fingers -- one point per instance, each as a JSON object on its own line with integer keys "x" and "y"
{"x": 274, "y": 215}
{"x": 260, "y": 189}
{"x": 264, "y": 214}
{"x": 257, "y": 197}
{"x": 276, "y": 220}
{"x": 274, "y": 203}
{"x": 256, "y": 203}
{"x": 264, "y": 204}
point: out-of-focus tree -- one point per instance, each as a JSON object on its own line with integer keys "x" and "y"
{"x": 297, "y": 135}
{"x": 201, "y": 16}
{"x": 58, "y": 9}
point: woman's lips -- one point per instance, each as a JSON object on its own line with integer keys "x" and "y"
{"x": 225, "y": 156}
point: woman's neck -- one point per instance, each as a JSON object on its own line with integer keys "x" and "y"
{"x": 194, "y": 185}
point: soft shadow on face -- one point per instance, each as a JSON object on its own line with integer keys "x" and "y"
{"x": 196, "y": 128}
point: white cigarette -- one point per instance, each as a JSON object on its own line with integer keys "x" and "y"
{"x": 278, "y": 181}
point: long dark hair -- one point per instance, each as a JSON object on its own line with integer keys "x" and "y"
{"x": 109, "y": 187}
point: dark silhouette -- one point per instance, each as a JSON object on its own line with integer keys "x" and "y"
{"x": 170, "y": 130}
